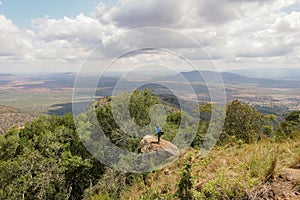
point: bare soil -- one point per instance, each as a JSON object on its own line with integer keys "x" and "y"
{"x": 286, "y": 186}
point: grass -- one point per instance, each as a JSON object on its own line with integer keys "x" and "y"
{"x": 225, "y": 173}
{"x": 296, "y": 162}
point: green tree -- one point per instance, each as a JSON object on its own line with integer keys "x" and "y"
{"x": 291, "y": 125}
{"x": 46, "y": 160}
{"x": 140, "y": 104}
{"x": 242, "y": 123}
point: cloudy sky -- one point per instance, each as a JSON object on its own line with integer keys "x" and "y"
{"x": 59, "y": 35}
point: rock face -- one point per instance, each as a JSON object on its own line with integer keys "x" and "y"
{"x": 150, "y": 144}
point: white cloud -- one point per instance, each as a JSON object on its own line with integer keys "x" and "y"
{"x": 255, "y": 34}
{"x": 1, "y": 3}
{"x": 16, "y": 43}
{"x": 250, "y": 31}
{"x": 288, "y": 23}
{"x": 136, "y": 13}
{"x": 228, "y": 29}
{"x": 69, "y": 39}
{"x": 182, "y": 14}
{"x": 81, "y": 28}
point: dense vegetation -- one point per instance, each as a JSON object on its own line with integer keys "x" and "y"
{"x": 46, "y": 159}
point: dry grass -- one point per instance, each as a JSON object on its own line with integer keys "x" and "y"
{"x": 226, "y": 171}
{"x": 296, "y": 163}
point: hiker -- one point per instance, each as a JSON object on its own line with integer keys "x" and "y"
{"x": 159, "y": 133}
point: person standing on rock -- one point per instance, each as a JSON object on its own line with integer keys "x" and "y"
{"x": 159, "y": 133}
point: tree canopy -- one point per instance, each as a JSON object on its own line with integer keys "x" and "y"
{"x": 47, "y": 160}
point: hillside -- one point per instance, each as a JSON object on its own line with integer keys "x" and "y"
{"x": 10, "y": 117}
{"x": 48, "y": 158}
{"x": 264, "y": 170}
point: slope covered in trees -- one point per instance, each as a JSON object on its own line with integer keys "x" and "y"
{"x": 47, "y": 160}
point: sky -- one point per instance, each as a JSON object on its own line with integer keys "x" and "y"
{"x": 22, "y": 12}
{"x": 62, "y": 35}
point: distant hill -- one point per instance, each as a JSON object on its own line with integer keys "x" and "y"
{"x": 10, "y": 117}
{"x": 231, "y": 78}
{"x": 1, "y": 74}
{"x": 291, "y": 74}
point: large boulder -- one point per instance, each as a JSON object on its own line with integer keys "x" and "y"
{"x": 149, "y": 144}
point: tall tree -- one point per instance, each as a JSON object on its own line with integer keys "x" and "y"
{"x": 243, "y": 122}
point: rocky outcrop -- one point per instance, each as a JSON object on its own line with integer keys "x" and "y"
{"x": 149, "y": 144}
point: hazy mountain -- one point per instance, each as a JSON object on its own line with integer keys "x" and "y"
{"x": 231, "y": 78}
{"x": 1, "y": 74}
{"x": 281, "y": 74}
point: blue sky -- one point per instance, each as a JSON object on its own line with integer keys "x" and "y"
{"x": 22, "y": 11}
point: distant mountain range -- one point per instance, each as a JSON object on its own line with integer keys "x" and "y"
{"x": 271, "y": 73}
{"x": 231, "y": 79}
{"x": 1, "y": 74}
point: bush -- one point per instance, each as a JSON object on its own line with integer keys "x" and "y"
{"x": 185, "y": 185}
